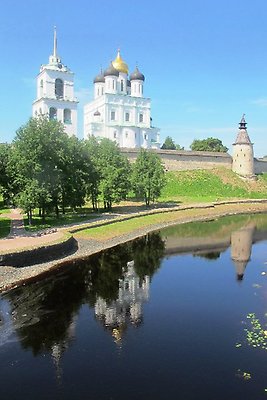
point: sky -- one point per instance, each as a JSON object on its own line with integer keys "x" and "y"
{"x": 205, "y": 61}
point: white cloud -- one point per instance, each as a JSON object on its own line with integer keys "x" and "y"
{"x": 262, "y": 102}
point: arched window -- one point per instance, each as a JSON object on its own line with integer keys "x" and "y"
{"x": 52, "y": 113}
{"x": 141, "y": 118}
{"x": 67, "y": 116}
{"x": 59, "y": 88}
{"x": 122, "y": 86}
{"x": 127, "y": 117}
{"x": 41, "y": 88}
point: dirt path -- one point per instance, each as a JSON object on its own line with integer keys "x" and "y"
{"x": 19, "y": 238}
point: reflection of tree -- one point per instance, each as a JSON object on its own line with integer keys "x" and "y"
{"x": 211, "y": 255}
{"x": 105, "y": 271}
{"x": 147, "y": 254}
{"x": 43, "y": 313}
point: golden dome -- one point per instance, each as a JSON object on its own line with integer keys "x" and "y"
{"x": 119, "y": 64}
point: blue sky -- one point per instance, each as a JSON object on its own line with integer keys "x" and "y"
{"x": 205, "y": 61}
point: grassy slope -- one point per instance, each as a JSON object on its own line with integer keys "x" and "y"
{"x": 216, "y": 184}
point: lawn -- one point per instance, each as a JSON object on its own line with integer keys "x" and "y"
{"x": 109, "y": 231}
{"x": 53, "y": 221}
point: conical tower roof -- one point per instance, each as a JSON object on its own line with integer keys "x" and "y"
{"x": 242, "y": 136}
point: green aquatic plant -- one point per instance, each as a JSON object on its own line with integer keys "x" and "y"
{"x": 256, "y": 335}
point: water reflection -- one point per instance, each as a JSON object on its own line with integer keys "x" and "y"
{"x": 51, "y": 317}
{"x": 210, "y": 239}
{"x": 241, "y": 244}
{"x": 115, "y": 283}
{"x": 127, "y": 308}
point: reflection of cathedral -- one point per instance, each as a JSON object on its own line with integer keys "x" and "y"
{"x": 132, "y": 293}
{"x": 241, "y": 243}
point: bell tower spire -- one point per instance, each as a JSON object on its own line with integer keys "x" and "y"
{"x": 55, "y": 42}
{"x": 54, "y": 59}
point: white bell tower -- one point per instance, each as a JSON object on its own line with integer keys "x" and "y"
{"x": 55, "y": 92}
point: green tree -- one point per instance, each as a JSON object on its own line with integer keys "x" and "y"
{"x": 49, "y": 169}
{"x": 114, "y": 169}
{"x": 148, "y": 176}
{"x": 111, "y": 177}
{"x": 168, "y": 144}
{"x": 93, "y": 188}
{"x": 6, "y": 188}
{"x": 209, "y": 144}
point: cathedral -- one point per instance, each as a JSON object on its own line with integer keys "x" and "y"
{"x": 119, "y": 110}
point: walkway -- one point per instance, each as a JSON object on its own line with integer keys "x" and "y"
{"x": 19, "y": 238}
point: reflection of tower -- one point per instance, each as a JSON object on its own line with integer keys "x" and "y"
{"x": 128, "y": 307}
{"x": 57, "y": 350}
{"x": 241, "y": 243}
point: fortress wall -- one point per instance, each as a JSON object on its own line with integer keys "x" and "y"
{"x": 186, "y": 160}
{"x": 260, "y": 165}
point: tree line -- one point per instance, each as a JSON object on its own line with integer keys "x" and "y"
{"x": 209, "y": 144}
{"x": 45, "y": 169}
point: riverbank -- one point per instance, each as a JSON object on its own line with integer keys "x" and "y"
{"x": 146, "y": 221}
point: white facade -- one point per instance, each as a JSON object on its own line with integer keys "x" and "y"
{"x": 119, "y": 110}
{"x": 55, "y": 93}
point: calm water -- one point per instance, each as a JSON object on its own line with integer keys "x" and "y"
{"x": 163, "y": 317}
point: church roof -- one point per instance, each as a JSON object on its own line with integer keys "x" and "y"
{"x": 111, "y": 71}
{"x": 119, "y": 64}
{"x": 242, "y": 136}
{"x": 137, "y": 75}
{"x": 99, "y": 78}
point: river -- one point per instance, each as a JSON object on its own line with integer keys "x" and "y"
{"x": 177, "y": 314}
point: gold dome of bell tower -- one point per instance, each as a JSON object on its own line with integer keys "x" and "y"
{"x": 119, "y": 64}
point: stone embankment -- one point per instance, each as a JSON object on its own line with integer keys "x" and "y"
{"x": 11, "y": 277}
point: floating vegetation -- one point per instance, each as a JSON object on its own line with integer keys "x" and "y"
{"x": 256, "y": 336}
{"x": 243, "y": 375}
{"x": 255, "y": 285}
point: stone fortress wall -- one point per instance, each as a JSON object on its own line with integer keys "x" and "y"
{"x": 189, "y": 160}
{"x": 260, "y": 165}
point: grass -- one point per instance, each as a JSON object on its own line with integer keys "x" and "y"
{"x": 217, "y": 227}
{"x": 210, "y": 185}
{"x": 52, "y": 221}
{"x": 4, "y": 227}
{"x": 150, "y": 222}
